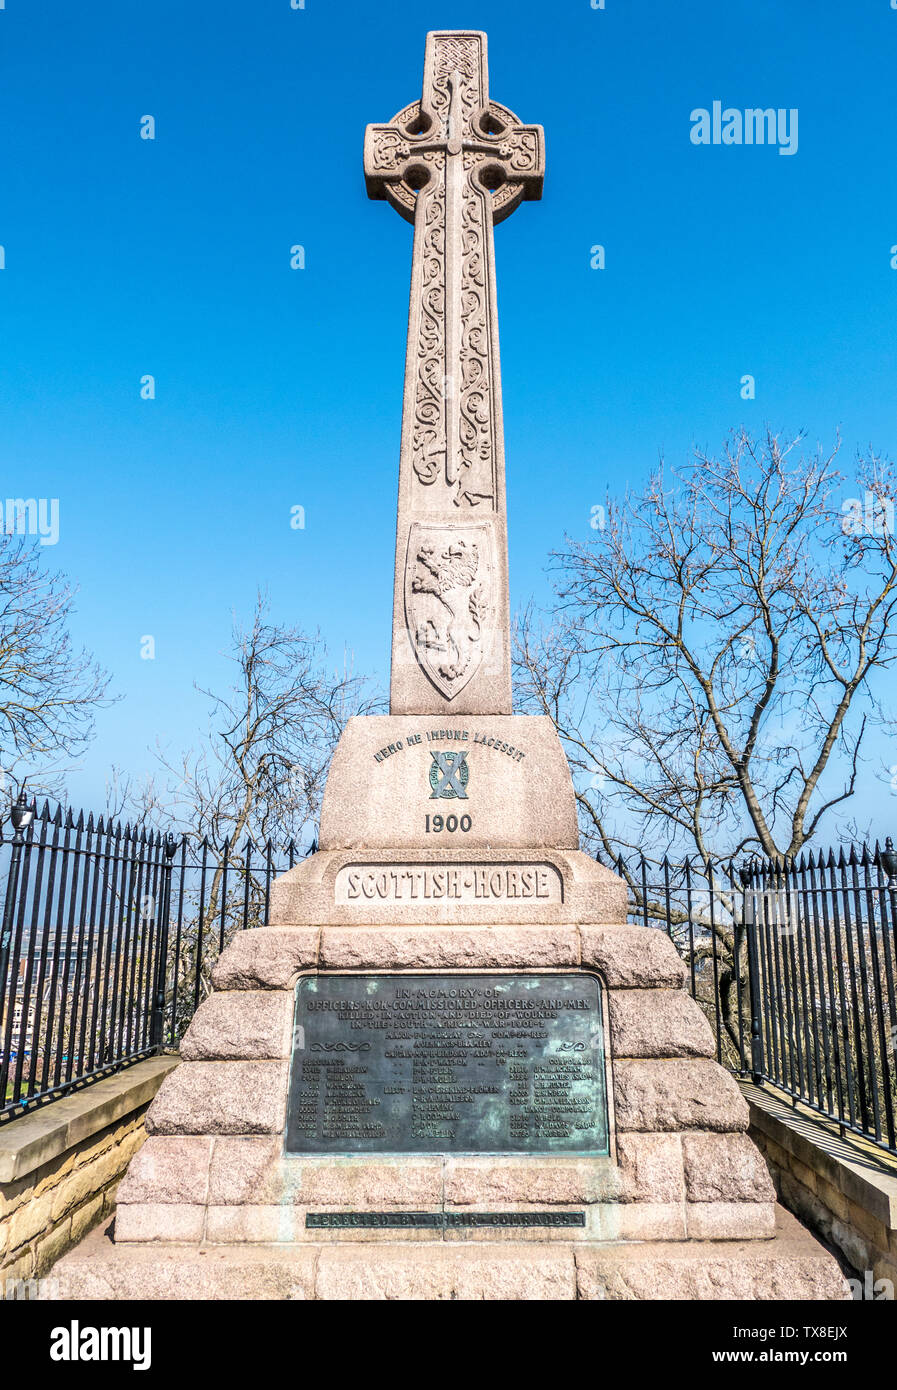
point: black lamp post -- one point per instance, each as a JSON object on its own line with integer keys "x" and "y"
{"x": 21, "y": 814}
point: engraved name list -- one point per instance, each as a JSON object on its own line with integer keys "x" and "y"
{"x": 429, "y": 1064}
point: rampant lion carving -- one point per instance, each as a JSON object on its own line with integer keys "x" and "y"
{"x": 448, "y": 636}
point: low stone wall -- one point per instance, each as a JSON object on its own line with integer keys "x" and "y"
{"x": 61, "y": 1164}
{"x": 843, "y": 1191}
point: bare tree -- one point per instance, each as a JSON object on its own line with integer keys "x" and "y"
{"x": 261, "y": 769}
{"x": 717, "y": 652}
{"x": 713, "y": 662}
{"x": 49, "y": 690}
{"x": 256, "y": 779}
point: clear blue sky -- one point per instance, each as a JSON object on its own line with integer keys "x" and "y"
{"x": 278, "y": 387}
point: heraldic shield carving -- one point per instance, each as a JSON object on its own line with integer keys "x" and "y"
{"x": 449, "y": 600}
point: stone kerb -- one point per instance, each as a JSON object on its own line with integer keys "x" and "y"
{"x": 842, "y": 1190}
{"x": 60, "y": 1166}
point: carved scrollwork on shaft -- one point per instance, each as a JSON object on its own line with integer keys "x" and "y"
{"x": 408, "y": 162}
{"x": 454, "y": 164}
{"x": 477, "y": 445}
{"x": 428, "y": 427}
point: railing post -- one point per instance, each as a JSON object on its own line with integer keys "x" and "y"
{"x": 738, "y": 925}
{"x": 749, "y": 925}
{"x": 157, "y": 1025}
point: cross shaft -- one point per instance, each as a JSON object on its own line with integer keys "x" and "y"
{"x": 453, "y": 163}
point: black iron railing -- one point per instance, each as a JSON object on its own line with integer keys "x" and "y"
{"x": 216, "y": 891}
{"x": 107, "y": 942}
{"x": 109, "y": 936}
{"x": 81, "y": 940}
{"x": 820, "y": 936}
{"x": 698, "y": 904}
{"x": 794, "y": 963}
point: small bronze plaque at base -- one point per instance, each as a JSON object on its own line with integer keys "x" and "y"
{"x": 438, "y": 1220}
{"x": 429, "y": 1064}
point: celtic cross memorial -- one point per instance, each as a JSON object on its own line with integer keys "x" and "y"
{"x": 450, "y": 1041}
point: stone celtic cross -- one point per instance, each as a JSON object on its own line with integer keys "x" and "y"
{"x": 453, "y": 163}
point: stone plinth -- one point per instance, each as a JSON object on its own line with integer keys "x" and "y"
{"x": 503, "y": 779}
{"x": 455, "y": 821}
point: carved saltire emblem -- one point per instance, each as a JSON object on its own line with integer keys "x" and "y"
{"x": 449, "y": 775}
{"x": 449, "y": 600}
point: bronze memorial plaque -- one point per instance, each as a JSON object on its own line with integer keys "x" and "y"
{"x": 417, "y": 1063}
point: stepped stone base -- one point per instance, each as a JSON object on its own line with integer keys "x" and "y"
{"x": 684, "y": 1207}
{"x": 212, "y": 1207}
{"x": 213, "y": 1170}
{"x": 790, "y": 1265}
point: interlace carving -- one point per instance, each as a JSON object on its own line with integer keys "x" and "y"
{"x": 453, "y": 163}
